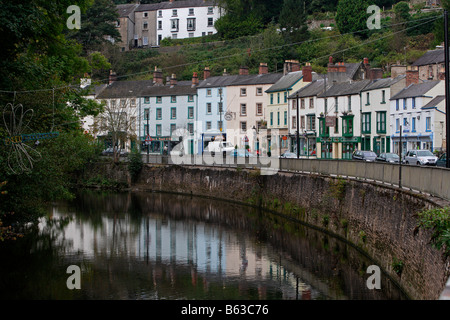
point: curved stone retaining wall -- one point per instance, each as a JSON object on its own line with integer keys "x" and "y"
{"x": 377, "y": 219}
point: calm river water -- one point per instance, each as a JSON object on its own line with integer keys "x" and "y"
{"x": 165, "y": 246}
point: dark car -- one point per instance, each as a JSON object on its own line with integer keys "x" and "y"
{"x": 364, "y": 155}
{"x": 388, "y": 157}
{"x": 442, "y": 161}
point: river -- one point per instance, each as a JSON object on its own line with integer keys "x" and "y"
{"x": 143, "y": 245}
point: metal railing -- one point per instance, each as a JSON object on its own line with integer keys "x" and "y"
{"x": 428, "y": 180}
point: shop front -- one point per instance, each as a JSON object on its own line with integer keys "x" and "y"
{"x": 157, "y": 145}
{"x": 338, "y": 147}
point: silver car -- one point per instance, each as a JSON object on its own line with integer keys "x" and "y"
{"x": 420, "y": 157}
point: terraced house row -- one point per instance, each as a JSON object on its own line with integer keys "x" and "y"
{"x": 351, "y": 107}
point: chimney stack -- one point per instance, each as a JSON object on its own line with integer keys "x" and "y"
{"x": 441, "y": 73}
{"x": 194, "y": 79}
{"x": 225, "y": 73}
{"x": 375, "y": 73}
{"x": 173, "y": 80}
{"x": 112, "y": 77}
{"x": 307, "y": 73}
{"x": 157, "y": 77}
{"x": 263, "y": 68}
{"x": 206, "y": 73}
{"x": 291, "y": 66}
{"x": 243, "y": 70}
{"x": 412, "y": 75}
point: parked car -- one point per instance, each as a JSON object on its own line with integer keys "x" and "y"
{"x": 442, "y": 161}
{"x": 241, "y": 153}
{"x": 364, "y": 155}
{"x": 110, "y": 152}
{"x": 224, "y": 147}
{"x": 388, "y": 157}
{"x": 288, "y": 154}
{"x": 420, "y": 157}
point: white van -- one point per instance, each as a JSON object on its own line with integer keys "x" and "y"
{"x": 224, "y": 147}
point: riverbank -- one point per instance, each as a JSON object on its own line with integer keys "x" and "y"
{"x": 379, "y": 220}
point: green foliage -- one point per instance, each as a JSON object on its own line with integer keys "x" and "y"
{"x": 230, "y": 26}
{"x": 135, "y": 163}
{"x": 293, "y": 20}
{"x": 397, "y": 266}
{"x": 438, "y": 221}
{"x": 351, "y": 16}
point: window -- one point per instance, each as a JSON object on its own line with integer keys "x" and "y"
{"x": 243, "y": 109}
{"x": 278, "y": 118}
{"x": 324, "y": 130}
{"x": 349, "y": 103}
{"x": 173, "y": 113}
{"x": 158, "y": 99}
{"x": 173, "y": 99}
{"x": 294, "y": 104}
{"x": 413, "y": 102}
{"x": 145, "y": 25}
{"x": 174, "y": 24}
{"x": 367, "y": 99}
{"x": 208, "y": 125}
{"x": 159, "y": 25}
{"x": 208, "y": 108}
{"x": 413, "y": 125}
{"x": 259, "y": 109}
{"x": 311, "y": 123}
{"x": 404, "y": 104}
{"x": 396, "y": 105}
{"x": 366, "y": 122}
{"x": 285, "y": 97}
{"x": 294, "y": 122}
{"x": 271, "y": 98}
{"x": 243, "y": 126}
{"x": 302, "y": 104}
{"x": 381, "y": 122}
{"x": 428, "y": 123}
{"x": 145, "y": 41}
{"x": 191, "y": 11}
{"x": 243, "y": 92}
{"x": 336, "y": 108}
{"x": 173, "y": 127}
{"x": 190, "y": 128}
{"x": 285, "y": 118}
{"x": 146, "y": 114}
{"x": 160, "y": 14}
{"x": 278, "y": 98}
{"x": 336, "y": 125}
{"x": 123, "y": 103}
{"x": 271, "y": 118}
{"x": 210, "y": 10}
{"x": 383, "y": 96}
{"x": 210, "y": 22}
{"x": 190, "y": 98}
{"x": 259, "y": 91}
{"x": 397, "y": 125}
{"x": 117, "y": 23}
{"x": 302, "y": 122}
{"x": 191, "y": 24}
{"x": 208, "y": 92}
{"x": 113, "y": 103}
{"x": 347, "y": 126}
{"x": 190, "y": 112}
{"x": 174, "y": 13}
{"x": 158, "y": 113}
{"x": 311, "y": 103}
{"x": 133, "y": 103}
{"x": 158, "y": 129}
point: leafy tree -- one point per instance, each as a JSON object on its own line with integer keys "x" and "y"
{"x": 97, "y": 25}
{"x": 351, "y": 16}
{"x": 293, "y": 20}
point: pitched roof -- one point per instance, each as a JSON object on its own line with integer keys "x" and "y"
{"x": 430, "y": 57}
{"x": 175, "y": 5}
{"x": 286, "y": 82}
{"x": 415, "y": 90}
{"x": 255, "y": 79}
{"x": 345, "y": 88}
{"x": 125, "y": 9}
{"x": 314, "y": 88}
{"x": 218, "y": 81}
{"x": 383, "y": 83}
{"x": 434, "y": 102}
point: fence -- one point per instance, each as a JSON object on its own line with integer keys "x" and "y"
{"x": 428, "y": 180}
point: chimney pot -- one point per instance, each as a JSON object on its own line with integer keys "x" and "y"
{"x": 173, "y": 79}
{"x": 194, "y": 79}
{"x": 263, "y": 68}
{"x": 206, "y": 73}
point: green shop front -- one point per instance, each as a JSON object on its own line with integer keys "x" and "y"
{"x": 337, "y": 147}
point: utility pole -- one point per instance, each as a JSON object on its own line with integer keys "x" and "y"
{"x": 400, "y": 159}
{"x": 447, "y": 102}
{"x": 298, "y": 131}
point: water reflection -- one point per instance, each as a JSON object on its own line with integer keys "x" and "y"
{"x": 164, "y": 246}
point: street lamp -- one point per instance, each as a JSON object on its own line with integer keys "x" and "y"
{"x": 400, "y": 156}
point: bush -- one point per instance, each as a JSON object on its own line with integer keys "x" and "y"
{"x": 437, "y": 220}
{"x": 135, "y": 163}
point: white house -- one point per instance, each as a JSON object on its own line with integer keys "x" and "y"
{"x": 417, "y": 113}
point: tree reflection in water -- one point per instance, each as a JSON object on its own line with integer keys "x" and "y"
{"x": 166, "y": 246}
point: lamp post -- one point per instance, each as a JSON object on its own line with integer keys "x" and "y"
{"x": 297, "y": 132}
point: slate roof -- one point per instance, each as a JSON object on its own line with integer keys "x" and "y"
{"x": 314, "y": 88}
{"x": 125, "y": 9}
{"x": 415, "y": 90}
{"x": 345, "y": 88}
{"x": 286, "y": 82}
{"x": 351, "y": 69}
{"x": 383, "y": 83}
{"x": 255, "y": 79}
{"x": 430, "y": 57}
{"x": 175, "y": 5}
{"x": 218, "y": 81}
{"x": 433, "y": 103}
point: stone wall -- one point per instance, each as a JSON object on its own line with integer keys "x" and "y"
{"x": 380, "y": 221}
